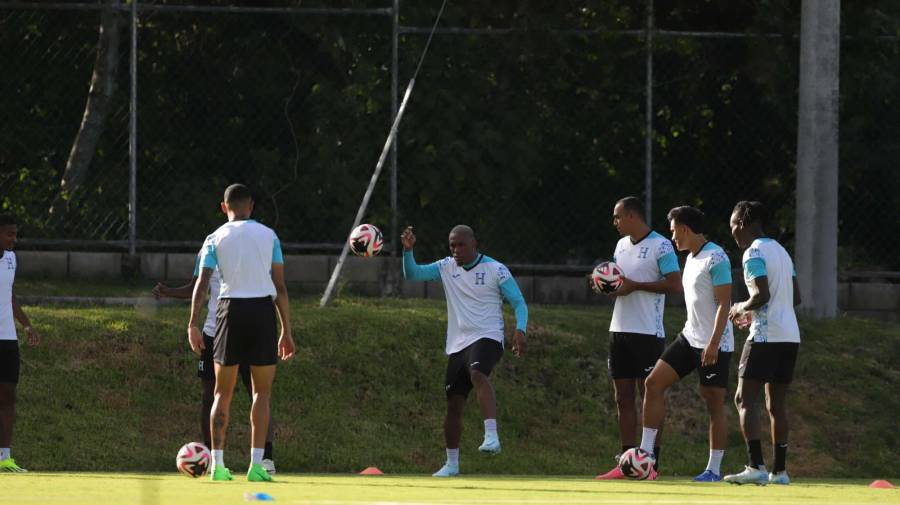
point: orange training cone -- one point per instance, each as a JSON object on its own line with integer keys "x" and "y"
{"x": 881, "y": 484}
{"x": 371, "y": 471}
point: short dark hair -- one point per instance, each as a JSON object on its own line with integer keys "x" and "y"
{"x": 751, "y": 212}
{"x": 237, "y": 193}
{"x": 632, "y": 204}
{"x": 691, "y": 217}
{"x": 8, "y": 219}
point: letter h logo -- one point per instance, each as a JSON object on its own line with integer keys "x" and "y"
{"x": 479, "y": 279}
{"x": 643, "y": 254}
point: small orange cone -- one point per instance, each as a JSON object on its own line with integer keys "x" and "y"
{"x": 371, "y": 471}
{"x": 881, "y": 484}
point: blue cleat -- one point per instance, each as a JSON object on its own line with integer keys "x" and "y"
{"x": 708, "y": 476}
{"x": 447, "y": 470}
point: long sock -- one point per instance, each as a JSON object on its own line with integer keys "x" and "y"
{"x": 268, "y": 453}
{"x": 453, "y": 457}
{"x": 656, "y": 450}
{"x": 256, "y": 455}
{"x": 218, "y": 456}
{"x": 648, "y": 438}
{"x": 715, "y": 461}
{"x": 4, "y": 453}
{"x": 754, "y": 450}
{"x": 780, "y": 456}
{"x": 490, "y": 427}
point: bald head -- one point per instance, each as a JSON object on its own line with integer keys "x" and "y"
{"x": 462, "y": 244}
{"x": 463, "y": 231}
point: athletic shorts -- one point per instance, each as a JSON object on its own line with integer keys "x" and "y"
{"x": 769, "y": 361}
{"x": 684, "y": 359}
{"x": 481, "y": 355}
{"x": 205, "y": 368}
{"x": 10, "y": 362}
{"x": 246, "y": 332}
{"x": 633, "y": 355}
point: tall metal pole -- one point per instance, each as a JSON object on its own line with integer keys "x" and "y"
{"x": 648, "y": 118}
{"x": 132, "y": 138}
{"x": 395, "y": 64}
{"x": 817, "y": 157}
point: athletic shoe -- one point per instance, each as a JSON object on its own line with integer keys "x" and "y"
{"x": 447, "y": 470}
{"x": 220, "y": 473}
{"x": 708, "y": 476}
{"x": 258, "y": 473}
{"x": 779, "y": 478}
{"x": 9, "y": 465}
{"x": 269, "y": 465}
{"x": 614, "y": 474}
{"x": 750, "y": 475}
{"x": 491, "y": 445}
{"x": 653, "y": 475}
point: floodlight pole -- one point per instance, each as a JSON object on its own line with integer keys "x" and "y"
{"x": 648, "y": 119}
{"x": 132, "y": 139}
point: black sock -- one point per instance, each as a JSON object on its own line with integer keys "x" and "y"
{"x": 656, "y": 450}
{"x": 626, "y": 447}
{"x": 267, "y": 452}
{"x": 780, "y": 457}
{"x": 754, "y": 450}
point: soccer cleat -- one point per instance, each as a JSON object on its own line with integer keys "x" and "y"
{"x": 750, "y": 475}
{"x": 491, "y": 444}
{"x": 258, "y": 473}
{"x": 708, "y": 476}
{"x": 447, "y": 470}
{"x": 653, "y": 475}
{"x": 269, "y": 465}
{"x": 220, "y": 473}
{"x": 614, "y": 474}
{"x": 9, "y": 465}
{"x": 779, "y": 478}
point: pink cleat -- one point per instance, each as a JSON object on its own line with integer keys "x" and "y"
{"x": 614, "y": 474}
{"x": 653, "y": 475}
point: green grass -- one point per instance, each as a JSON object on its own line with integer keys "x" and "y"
{"x": 146, "y": 489}
{"x": 115, "y": 389}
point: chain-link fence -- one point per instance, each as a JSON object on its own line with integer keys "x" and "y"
{"x": 526, "y": 124}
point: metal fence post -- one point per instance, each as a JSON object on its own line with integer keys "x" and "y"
{"x": 132, "y": 139}
{"x": 395, "y": 63}
{"x": 648, "y": 118}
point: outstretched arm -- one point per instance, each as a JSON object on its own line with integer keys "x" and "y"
{"x": 411, "y": 270}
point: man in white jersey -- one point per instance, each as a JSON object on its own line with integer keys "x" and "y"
{"x": 205, "y": 368}
{"x": 251, "y": 268}
{"x": 770, "y": 353}
{"x": 636, "y": 335}
{"x": 475, "y": 286}
{"x": 10, "y": 312}
{"x": 706, "y": 342}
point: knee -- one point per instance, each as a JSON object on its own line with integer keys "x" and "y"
{"x": 653, "y": 385}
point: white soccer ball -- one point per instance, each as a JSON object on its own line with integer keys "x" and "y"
{"x": 636, "y": 463}
{"x": 366, "y": 240}
{"x": 606, "y": 277}
{"x": 193, "y": 459}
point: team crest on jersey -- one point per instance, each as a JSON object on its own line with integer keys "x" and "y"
{"x": 717, "y": 257}
{"x": 479, "y": 278}
{"x": 502, "y": 273}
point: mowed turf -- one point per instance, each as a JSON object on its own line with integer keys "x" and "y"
{"x": 172, "y": 489}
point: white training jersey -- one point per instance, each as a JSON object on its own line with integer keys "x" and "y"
{"x": 244, "y": 252}
{"x": 209, "y": 326}
{"x": 648, "y": 260}
{"x": 775, "y": 321}
{"x": 7, "y": 278}
{"x": 709, "y": 268}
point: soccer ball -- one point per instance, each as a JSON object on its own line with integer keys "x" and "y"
{"x": 636, "y": 463}
{"x": 193, "y": 459}
{"x": 606, "y": 277}
{"x": 366, "y": 240}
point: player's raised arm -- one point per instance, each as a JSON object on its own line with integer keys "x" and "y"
{"x": 411, "y": 270}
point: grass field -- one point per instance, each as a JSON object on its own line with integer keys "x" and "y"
{"x": 156, "y": 489}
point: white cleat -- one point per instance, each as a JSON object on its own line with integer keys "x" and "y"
{"x": 779, "y": 478}
{"x": 269, "y": 465}
{"x": 491, "y": 445}
{"x": 750, "y": 475}
{"x": 447, "y": 470}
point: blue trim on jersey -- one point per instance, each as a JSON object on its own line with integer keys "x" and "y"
{"x": 755, "y": 267}
{"x": 668, "y": 263}
{"x": 415, "y": 272}
{"x": 197, "y": 265}
{"x": 510, "y": 290}
{"x": 277, "y": 256}
{"x": 209, "y": 258}
{"x": 721, "y": 273}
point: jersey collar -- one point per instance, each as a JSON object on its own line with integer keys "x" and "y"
{"x": 474, "y": 263}
{"x": 638, "y": 241}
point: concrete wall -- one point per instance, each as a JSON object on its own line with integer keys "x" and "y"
{"x": 374, "y": 277}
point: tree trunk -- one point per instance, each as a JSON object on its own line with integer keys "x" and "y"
{"x": 96, "y": 110}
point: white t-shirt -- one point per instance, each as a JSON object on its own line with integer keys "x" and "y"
{"x": 775, "y": 321}
{"x": 709, "y": 268}
{"x": 209, "y": 326}
{"x": 244, "y": 252}
{"x": 649, "y": 260}
{"x": 7, "y": 278}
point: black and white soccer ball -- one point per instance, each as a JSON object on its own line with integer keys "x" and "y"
{"x": 193, "y": 459}
{"x": 606, "y": 277}
{"x": 636, "y": 463}
{"x": 366, "y": 240}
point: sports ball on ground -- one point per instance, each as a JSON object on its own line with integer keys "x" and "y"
{"x": 636, "y": 463}
{"x": 193, "y": 459}
{"x": 366, "y": 240}
{"x": 606, "y": 277}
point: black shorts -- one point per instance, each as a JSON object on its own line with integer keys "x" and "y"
{"x": 246, "y": 332}
{"x": 205, "y": 368}
{"x": 481, "y": 355}
{"x": 684, "y": 359}
{"x": 10, "y": 362}
{"x": 769, "y": 361}
{"x": 633, "y": 355}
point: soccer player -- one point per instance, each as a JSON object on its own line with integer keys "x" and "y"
{"x": 706, "y": 342}
{"x": 251, "y": 267}
{"x": 205, "y": 367}
{"x": 636, "y": 335}
{"x": 10, "y": 311}
{"x": 475, "y": 286}
{"x": 770, "y": 353}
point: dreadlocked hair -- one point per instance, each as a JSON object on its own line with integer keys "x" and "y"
{"x": 751, "y": 212}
